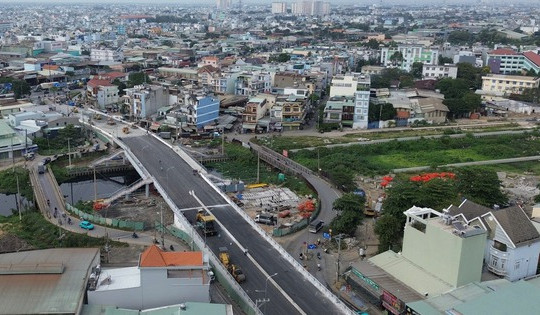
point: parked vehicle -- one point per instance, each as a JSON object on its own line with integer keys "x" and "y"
{"x": 41, "y": 168}
{"x": 86, "y": 225}
{"x": 265, "y": 218}
{"x": 316, "y": 226}
{"x": 205, "y": 222}
{"x": 165, "y": 134}
{"x": 233, "y": 269}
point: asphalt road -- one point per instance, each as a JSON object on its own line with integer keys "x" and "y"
{"x": 177, "y": 178}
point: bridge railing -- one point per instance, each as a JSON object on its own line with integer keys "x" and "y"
{"x": 322, "y": 288}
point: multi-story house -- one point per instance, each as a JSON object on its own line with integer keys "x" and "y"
{"x": 207, "y": 76}
{"x": 357, "y": 85}
{"x": 102, "y": 91}
{"x": 106, "y": 55}
{"x": 403, "y": 56}
{"x": 141, "y": 101}
{"x": 293, "y": 112}
{"x": 340, "y": 109}
{"x": 256, "y": 108}
{"x": 201, "y": 111}
{"x": 513, "y": 242}
{"x": 439, "y": 72}
{"x": 504, "y": 85}
{"x": 251, "y": 84}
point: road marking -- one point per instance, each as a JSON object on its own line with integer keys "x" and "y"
{"x": 197, "y": 208}
{"x": 252, "y": 259}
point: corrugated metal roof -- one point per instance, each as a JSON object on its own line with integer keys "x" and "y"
{"x": 44, "y": 292}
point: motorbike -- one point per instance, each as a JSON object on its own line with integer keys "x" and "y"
{"x": 319, "y": 267}
{"x": 318, "y": 255}
{"x": 134, "y": 235}
{"x": 171, "y": 247}
{"x": 301, "y": 256}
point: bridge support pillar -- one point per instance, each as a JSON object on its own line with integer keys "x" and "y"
{"x": 147, "y": 190}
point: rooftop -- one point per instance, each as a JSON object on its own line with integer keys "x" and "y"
{"x": 153, "y": 256}
{"x": 36, "y": 284}
{"x": 503, "y": 51}
{"x": 534, "y": 58}
{"x": 191, "y": 308}
{"x": 120, "y": 278}
{"x": 412, "y": 275}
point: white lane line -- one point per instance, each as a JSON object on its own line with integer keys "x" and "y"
{"x": 252, "y": 259}
{"x": 196, "y": 208}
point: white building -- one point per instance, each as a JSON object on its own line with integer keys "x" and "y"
{"x": 439, "y": 72}
{"x": 106, "y": 55}
{"x": 513, "y": 241}
{"x": 144, "y": 100}
{"x": 279, "y": 7}
{"x": 310, "y": 7}
{"x": 161, "y": 279}
{"x": 409, "y": 54}
{"x": 357, "y": 85}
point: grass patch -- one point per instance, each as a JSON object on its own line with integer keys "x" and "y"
{"x": 243, "y": 166}
{"x": 40, "y": 233}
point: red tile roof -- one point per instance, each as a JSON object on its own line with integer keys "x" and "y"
{"x": 534, "y": 58}
{"x": 503, "y": 51}
{"x": 97, "y": 82}
{"x": 153, "y": 256}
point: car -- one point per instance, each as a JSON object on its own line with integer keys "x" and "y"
{"x": 46, "y": 160}
{"x": 86, "y": 225}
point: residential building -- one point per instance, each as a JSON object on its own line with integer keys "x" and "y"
{"x": 513, "y": 241}
{"x": 55, "y": 278}
{"x": 184, "y": 308}
{"x": 357, "y": 85}
{"x": 223, "y": 4}
{"x": 108, "y": 55}
{"x": 207, "y": 76}
{"x": 160, "y": 279}
{"x": 252, "y": 83}
{"x": 372, "y": 70}
{"x": 439, "y": 253}
{"x": 256, "y": 108}
{"x": 431, "y": 109}
{"x": 508, "y": 61}
{"x": 201, "y": 111}
{"x": 340, "y": 109}
{"x": 103, "y": 92}
{"x": 187, "y": 74}
{"x": 310, "y": 7}
{"x": 508, "y": 84}
{"x": 279, "y": 7}
{"x": 439, "y": 71}
{"x": 293, "y": 111}
{"x": 209, "y": 61}
{"x": 141, "y": 101}
{"x": 406, "y": 55}
{"x": 13, "y": 145}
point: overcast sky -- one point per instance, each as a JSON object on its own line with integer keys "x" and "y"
{"x": 191, "y": 2}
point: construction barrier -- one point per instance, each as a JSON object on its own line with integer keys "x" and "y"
{"x": 127, "y": 225}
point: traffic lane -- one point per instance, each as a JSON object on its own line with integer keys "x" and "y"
{"x": 255, "y": 282}
{"x": 175, "y": 175}
{"x": 305, "y": 294}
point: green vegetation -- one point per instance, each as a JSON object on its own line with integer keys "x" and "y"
{"x": 40, "y": 233}
{"x": 283, "y": 57}
{"x": 387, "y": 76}
{"x": 477, "y": 185}
{"x": 8, "y": 182}
{"x": 458, "y": 97}
{"x": 137, "y": 78}
{"x": 341, "y": 164}
{"x": 59, "y": 166}
{"x": 350, "y": 209}
{"x": 59, "y": 144}
{"x": 19, "y": 87}
{"x": 243, "y": 166}
{"x": 383, "y": 111}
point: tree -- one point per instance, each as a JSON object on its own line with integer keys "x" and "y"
{"x": 137, "y": 78}
{"x": 444, "y": 60}
{"x": 416, "y": 70}
{"x": 349, "y": 202}
{"x": 121, "y": 86}
{"x": 350, "y": 208}
{"x": 453, "y": 88}
{"x": 384, "y": 111}
{"x": 481, "y": 186}
{"x": 18, "y": 87}
{"x": 283, "y": 57}
{"x": 373, "y": 44}
{"x": 388, "y": 229}
{"x": 167, "y": 43}
{"x": 396, "y": 58}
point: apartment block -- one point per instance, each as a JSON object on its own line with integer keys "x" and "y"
{"x": 354, "y": 85}
{"x": 279, "y": 7}
{"x": 439, "y": 72}
{"x": 499, "y": 84}
{"x": 410, "y": 54}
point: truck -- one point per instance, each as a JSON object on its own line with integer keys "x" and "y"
{"x": 205, "y": 222}
{"x": 41, "y": 168}
{"x": 233, "y": 269}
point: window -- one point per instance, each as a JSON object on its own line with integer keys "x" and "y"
{"x": 517, "y": 265}
{"x": 494, "y": 261}
{"x": 503, "y": 262}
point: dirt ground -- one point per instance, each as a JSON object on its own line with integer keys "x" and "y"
{"x": 139, "y": 208}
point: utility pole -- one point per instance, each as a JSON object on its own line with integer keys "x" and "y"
{"x": 95, "y": 187}
{"x": 223, "y": 142}
{"x": 69, "y": 156}
{"x": 18, "y": 197}
{"x": 162, "y": 227}
{"x": 258, "y": 165}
